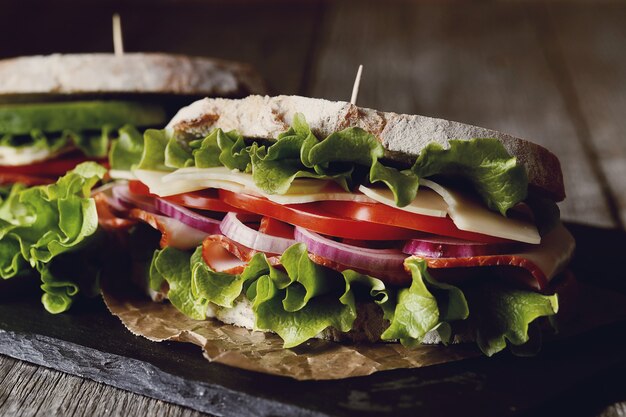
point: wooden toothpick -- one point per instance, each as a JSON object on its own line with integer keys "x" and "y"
{"x": 357, "y": 83}
{"x": 118, "y": 42}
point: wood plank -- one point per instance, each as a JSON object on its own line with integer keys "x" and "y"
{"x": 477, "y": 64}
{"x": 591, "y": 42}
{"x": 29, "y": 390}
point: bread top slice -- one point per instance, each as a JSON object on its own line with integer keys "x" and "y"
{"x": 402, "y": 135}
{"x": 131, "y": 73}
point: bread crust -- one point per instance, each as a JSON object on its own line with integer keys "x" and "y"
{"x": 402, "y": 135}
{"x": 368, "y": 326}
{"x": 131, "y": 73}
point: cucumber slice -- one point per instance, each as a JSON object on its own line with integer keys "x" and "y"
{"x": 21, "y": 119}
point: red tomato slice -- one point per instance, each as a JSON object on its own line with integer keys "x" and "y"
{"x": 274, "y": 227}
{"x": 313, "y": 217}
{"x": 29, "y": 180}
{"x": 383, "y": 214}
{"x": 51, "y": 168}
{"x": 203, "y": 200}
{"x": 199, "y": 200}
{"x": 139, "y": 188}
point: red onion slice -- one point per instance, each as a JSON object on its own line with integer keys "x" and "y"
{"x": 233, "y": 228}
{"x": 122, "y": 195}
{"x": 448, "y": 247}
{"x": 188, "y": 217}
{"x": 351, "y": 256}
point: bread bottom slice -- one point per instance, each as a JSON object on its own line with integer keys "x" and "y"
{"x": 368, "y": 326}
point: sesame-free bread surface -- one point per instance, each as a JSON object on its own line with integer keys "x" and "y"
{"x": 130, "y": 73}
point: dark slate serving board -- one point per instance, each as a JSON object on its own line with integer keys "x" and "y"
{"x": 576, "y": 376}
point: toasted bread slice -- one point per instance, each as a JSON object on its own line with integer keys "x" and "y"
{"x": 56, "y": 75}
{"x": 403, "y": 136}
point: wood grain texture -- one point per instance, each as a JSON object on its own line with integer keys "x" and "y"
{"x": 29, "y": 390}
{"x": 591, "y": 43}
{"x": 482, "y": 65}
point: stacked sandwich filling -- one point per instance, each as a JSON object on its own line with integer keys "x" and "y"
{"x": 323, "y": 237}
{"x": 59, "y": 110}
{"x": 40, "y": 142}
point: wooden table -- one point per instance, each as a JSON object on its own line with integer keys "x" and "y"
{"x": 552, "y": 72}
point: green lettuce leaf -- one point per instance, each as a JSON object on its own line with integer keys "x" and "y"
{"x": 177, "y": 154}
{"x": 296, "y": 327}
{"x": 11, "y": 260}
{"x": 155, "y": 278}
{"x": 175, "y": 267}
{"x": 403, "y": 184}
{"x": 93, "y": 144}
{"x": 348, "y": 157}
{"x": 39, "y": 224}
{"x": 484, "y": 163}
{"x": 58, "y": 293}
{"x": 81, "y": 116}
{"x": 223, "y": 289}
{"x": 306, "y": 278}
{"x": 297, "y": 303}
{"x": 127, "y": 149}
{"x": 36, "y": 142}
{"x": 221, "y": 148}
{"x": 206, "y": 152}
{"x": 500, "y": 314}
{"x": 155, "y": 151}
{"x": 425, "y": 306}
{"x": 304, "y": 299}
{"x": 234, "y": 153}
{"x": 311, "y": 299}
{"x": 153, "y": 156}
{"x": 276, "y": 177}
{"x": 73, "y": 272}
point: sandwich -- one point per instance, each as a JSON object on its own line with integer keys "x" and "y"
{"x": 76, "y": 113}
{"x": 316, "y": 219}
{"x": 57, "y": 111}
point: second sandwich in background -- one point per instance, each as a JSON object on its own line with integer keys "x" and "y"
{"x": 59, "y": 110}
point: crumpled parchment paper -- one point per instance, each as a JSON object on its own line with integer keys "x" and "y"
{"x": 317, "y": 359}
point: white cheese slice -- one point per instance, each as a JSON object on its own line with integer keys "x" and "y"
{"x": 472, "y": 216}
{"x": 299, "y": 186}
{"x": 554, "y": 252}
{"x": 190, "y": 179}
{"x": 216, "y": 173}
{"x": 319, "y": 196}
{"x": 120, "y": 174}
{"x": 154, "y": 181}
{"x": 427, "y": 202}
{"x": 26, "y": 155}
